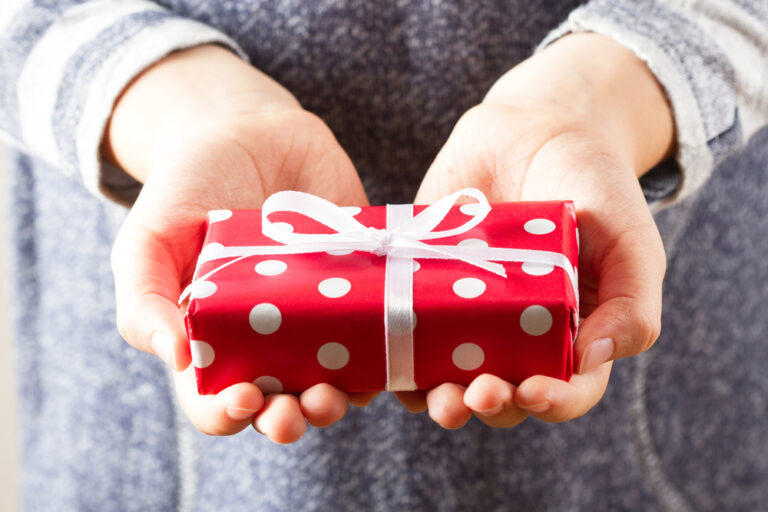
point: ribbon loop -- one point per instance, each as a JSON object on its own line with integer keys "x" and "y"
{"x": 423, "y": 225}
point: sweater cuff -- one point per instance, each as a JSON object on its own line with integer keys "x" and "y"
{"x": 108, "y": 45}
{"x": 696, "y": 76}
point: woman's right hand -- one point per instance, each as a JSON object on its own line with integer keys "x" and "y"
{"x": 203, "y": 130}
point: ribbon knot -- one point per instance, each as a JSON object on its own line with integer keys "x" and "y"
{"x": 383, "y": 239}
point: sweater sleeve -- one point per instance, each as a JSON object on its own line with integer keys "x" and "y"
{"x": 63, "y": 65}
{"x": 711, "y": 58}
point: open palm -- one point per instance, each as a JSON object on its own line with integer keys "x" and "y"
{"x": 233, "y": 162}
{"x": 528, "y": 150}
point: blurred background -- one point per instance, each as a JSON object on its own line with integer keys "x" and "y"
{"x": 8, "y": 427}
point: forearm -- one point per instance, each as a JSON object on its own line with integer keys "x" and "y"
{"x": 65, "y": 64}
{"x": 605, "y": 88}
{"x": 709, "y": 57}
{"x": 179, "y": 94}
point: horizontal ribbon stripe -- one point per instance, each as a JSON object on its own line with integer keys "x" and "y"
{"x": 463, "y": 253}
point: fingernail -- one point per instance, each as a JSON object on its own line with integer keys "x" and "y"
{"x": 238, "y": 413}
{"x": 598, "y": 352}
{"x": 492, "y": 411}
{"x": 162, "y": 345}
{"x": 539, "y": 407}
{"x": 257, "y": 428}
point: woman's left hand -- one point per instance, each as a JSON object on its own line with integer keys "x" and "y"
{"x": 580, "y": 121}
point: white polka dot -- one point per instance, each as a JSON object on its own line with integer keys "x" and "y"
{"x": 202, "y": 353}
{"x": 416, "y": 266}
{"x": 340, "y": 252}
{"x": 283, "y": 227}
{"x": 536, "y": 320}
{"x": 539, "y": 226}
{"x": 468, "y": 356}
{"x": 333, "y": 356}
{"x": 270, "y": 267}
{"x": 211, "y": 251}
{"x": 218, "y": 215}
{"x": 352, "y": 210}
{"x": 468, "y": 287}
{"x": 268, "y": 384}
{"x": 334, "y": 287}
{"x": 470, "y": 208}
{"x": 473, "y": 242}
{"x": 202, "y": 289}
{"x": 537, "y": 269}
{"x": 265, "y": 318}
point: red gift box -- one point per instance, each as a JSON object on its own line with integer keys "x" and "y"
{"x": 365, "y": 321}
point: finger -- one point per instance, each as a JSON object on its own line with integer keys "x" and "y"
{"x": 226, "y": 413}
{"x": 414, "y": 401}
{"x": 492, "y": 400}
{"x": 323, "y": 405}
{"x": 555, "y": 400}
{"x": 147, "y": 286}
{"x": 627, "y": 319}
{"x": 469, "y": 158}
{"x": 281, "y": 419}
{"x": 446, "y": 406}
{"x": 342, "y": 184}
{"x": 362, "y": 399}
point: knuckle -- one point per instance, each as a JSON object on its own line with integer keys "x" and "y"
{"x": 648, "y": 328}
{"x": 641, "y": 325}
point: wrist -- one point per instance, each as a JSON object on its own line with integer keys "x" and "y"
{"x": 604, "y": 88}
{"x": 181, "y": 95}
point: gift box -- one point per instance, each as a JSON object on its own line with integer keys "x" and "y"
{"x": 395, "y": 297}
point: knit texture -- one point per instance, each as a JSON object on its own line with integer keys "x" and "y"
{"x": 680, "y": 427}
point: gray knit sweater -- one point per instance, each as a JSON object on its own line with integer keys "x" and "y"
{"x": 682, "y": 427}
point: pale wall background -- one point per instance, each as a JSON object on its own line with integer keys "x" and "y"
{"x": 8, "y": 427}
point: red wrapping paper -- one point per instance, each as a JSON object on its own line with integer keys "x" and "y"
{"x": 287, "y": 322}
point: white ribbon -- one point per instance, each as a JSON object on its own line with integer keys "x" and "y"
{"x": 401, "y": 242}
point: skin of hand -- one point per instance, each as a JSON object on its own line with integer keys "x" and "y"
{"x": 581, "y": 120}
{"x": 203, "y": 130}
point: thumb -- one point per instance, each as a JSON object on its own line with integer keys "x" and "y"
{"x": 147, "y": 287}
{"x": 627, "y": 319}
{"x": 459, "y": 163}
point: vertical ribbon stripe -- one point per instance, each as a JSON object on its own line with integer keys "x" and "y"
{"x": 398, "y": 307}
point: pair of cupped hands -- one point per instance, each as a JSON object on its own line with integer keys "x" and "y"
{"x": 581, "y": 120}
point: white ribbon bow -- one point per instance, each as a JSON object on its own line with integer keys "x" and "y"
{"x": 402, "y": 241}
